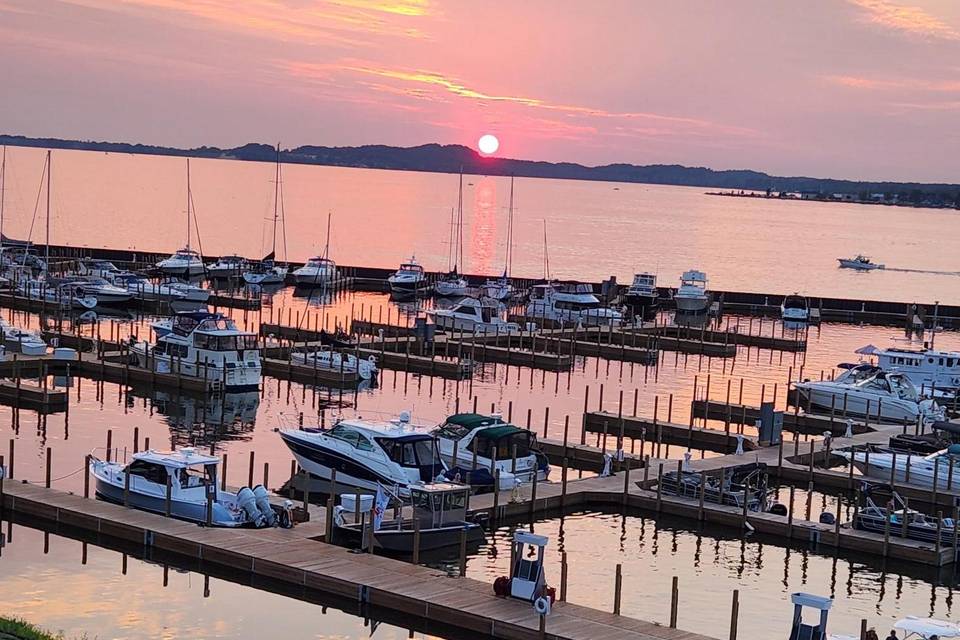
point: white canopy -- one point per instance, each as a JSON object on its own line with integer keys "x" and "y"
{"x": 928, "y": 627}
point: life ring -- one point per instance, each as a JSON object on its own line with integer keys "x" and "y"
{"x": 372, "y": 359}
{"x": 542, "y": 606}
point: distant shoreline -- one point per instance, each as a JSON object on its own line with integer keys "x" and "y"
{"x": 436, "y": 158}
{"x": 831, "y": 198}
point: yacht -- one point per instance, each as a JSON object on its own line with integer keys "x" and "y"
{"x": 317, "y": 271}
{"x": 142, "y": 289}
{"x": 930, "y": 370}
{"x": 97, "y": 287}
{"x": 97, "y": 268}
{"x": 206, "y": 346}
{"x": 337, "y": 362}
{"x": 451, "y": 285}
{"x": 191, "y": 477}
{"x": 795, "y": 308}
{"x": 227, "y": 266}
{"x": 62, "y": 295}
{"x": 861, "y": 263}
{"x": 186, "y": 262}
{"x": 866, "y": 390}
{"x": 266, "y": 272}
{"x": 408, "y": 279}
{"x": 16, "y": 340}
{"x": 368, "y": 453}
{"x": 641, "y": 299}
{"x": 570, "y": 302}
{"x": 488, "y": 441}
{"x": 878, "y": 465}
{"x": 692, "y": 296}
{"x": 499, "y": 289}
{"x": 474, "y": 316}
{"x": 190, "y": 292}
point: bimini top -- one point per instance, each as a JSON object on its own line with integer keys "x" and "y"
{"x": 186, "y": 457}
{"x": 473, "y": 420}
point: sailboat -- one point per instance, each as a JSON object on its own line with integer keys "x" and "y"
{"x": 319, "y": 270}
{"x": 268, "y": 271}
{"x": 185, "y": 262}
{"x": 501, "y": 289}
{"x": 453, "y": 284}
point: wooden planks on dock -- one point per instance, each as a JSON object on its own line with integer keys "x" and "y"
{"x": 650, "y": 430}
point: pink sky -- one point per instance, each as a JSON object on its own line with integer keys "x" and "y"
{"x": 839, "y": 88}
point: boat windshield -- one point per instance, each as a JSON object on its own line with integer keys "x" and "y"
{"x": 191, "y": 477}
{"x": 351, "y": 436}
{"x": 224, "y": 343}
{"x": 218, "y": 324}
{"x": 411, "y": 269}
{"x": 186, "y": 254}
{"x": 409, "y": 453}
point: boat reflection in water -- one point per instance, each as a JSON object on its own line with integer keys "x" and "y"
{"x": 196, "y": 420}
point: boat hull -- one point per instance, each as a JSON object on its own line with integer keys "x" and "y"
{"x": 921, "y": 471}
{"x": 182, "y": 510}
{"x": 401, "y": 541}
{"x": 643, "y": 306}
{"x": 855, "y": 403}
{"x": 692, "y": 304}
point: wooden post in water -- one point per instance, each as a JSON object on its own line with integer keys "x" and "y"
{"x": 250, "y": 471}
{"x": 47, "y": 471}
{"x": 416, "y": 541}
{"x": 86, "y": 476}
{"x": 168, "y": 499}
{"x": 674, "y": 601}
{"x": 223, "y": 473}
{"x": 734, "y": 614}
{"x": 617, "y": 586}
{"x": 563, "y": 576}
{"x": 463, "y": 552}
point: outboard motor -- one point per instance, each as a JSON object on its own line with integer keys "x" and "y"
{"x": 263, "y": 504}
{"x": 248, "y": 504}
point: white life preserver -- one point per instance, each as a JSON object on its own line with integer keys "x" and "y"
{"x": 542, "y": 605}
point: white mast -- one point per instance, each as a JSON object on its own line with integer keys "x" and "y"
{"x": 546, "y": 254}
{"x": 49, "y": 171}
{"x": 459, "y": 250}
{"x": 326, "y": 247}
{"x": 508, "y": 266}
{"x": 3, "y": 185}
{"x": 189, "y": 200}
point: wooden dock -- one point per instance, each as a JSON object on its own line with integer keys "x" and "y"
{"x": 807, "y": 423}
{"x": 611, "y": 425}
{"x": 286, "y": 556}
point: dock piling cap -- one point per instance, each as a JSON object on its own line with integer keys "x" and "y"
{"x": 526, "y": 537}
{"x": 822, "y": 603}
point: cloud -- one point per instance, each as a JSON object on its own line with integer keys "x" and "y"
{"x": 912, "y": 84}
{"x": 905, "y": 19}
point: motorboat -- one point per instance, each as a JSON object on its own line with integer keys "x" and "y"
{"x": 25, "y": 257}
{"x": 887, "y": 466}
{"x": 795, "y": 308}
{"x": 691, "y": 296}
{"x": 347, "y": 364}
{"x": 97, "y": 287}
{"x": 570, "y": 302}
{"x": 474, "y": 316}
{"x": 470, "y": 441}
{"x": 642, "y": 297}
{"x": 266, "y": 272}
{"x": 867, "y": 390}
{"x": 499, "y": 289}
{"x": 206, "y": 346}
{"x": 438, "y": 521}
{"x": 61, "y": 295}
{"x": 97, "y": 268}
{"x": 190, "y": 292}
{"x": 903, "y": 522}
{"x": 451, "y": 285}
{"x": 190, "y": 477}
{"x": 142, "y": 289}
{"x": 746, "y": 482}
{"x": 25, "y": 341}
{"x": 227, "y": 267}
{"x": 185, "y": 262}
{"x": 861, "y": 263}
{"x": 408, "y": 279}
{"x": 317, "y": 271}
{"x": 162, "y": 327}
{"x": 913, "y": 628}
{"x": 930, "y": 370}
{"x": 337, "y": 338}
{"x": 368, "y": 453}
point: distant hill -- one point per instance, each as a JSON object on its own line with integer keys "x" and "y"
{"x": 450, "y": 158}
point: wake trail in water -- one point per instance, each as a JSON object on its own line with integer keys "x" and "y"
{"x": 936, "y": 273}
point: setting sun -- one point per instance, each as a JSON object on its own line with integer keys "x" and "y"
{"x": 488, "y": 144}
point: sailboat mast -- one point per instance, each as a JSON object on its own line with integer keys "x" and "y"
{"x": 189, "y": 199}
{"x": 546, "y": 254}
{"x": 46, "y": 253}
{"x": 276, "y": 204}
{"x": 326, "y": 247}
{"x": 508, "y": 267}
{"x": 459, "y": 254}
{"x": 3, "y": 186}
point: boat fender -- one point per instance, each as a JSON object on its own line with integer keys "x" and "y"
{"x": 263, "y": 505}
{"x": 501, "y": 586}
{"x": 778, "y": 509}
{"x": 372, "y": 359}
{"x": 542, "y": 606}
{"x": 248, "y": 504}
{"x": 827, "y": 518}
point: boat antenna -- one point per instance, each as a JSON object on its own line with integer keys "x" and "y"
{"x": 46, "y": 253}
{"x": 546, "y": 253}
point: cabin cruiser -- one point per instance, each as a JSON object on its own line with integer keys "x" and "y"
{"x": 570, "y": 302}
{"x": 408, "y": 279}
{"x": 227, "y": 266}
{"x": 185, "y": 262}
{"x": 439, "y": 508}
{"x": 22, "y": 257}
{"x": 368, "y": 453}
{"x": 861, "y": 263}
{"x": 866, "y": 390}
{"x": 16, "y": 340}
{"x": 451, "y": 285}
{"x": 190, "y": 292}
{"x": 191, "y": 477}
{"x": 97, "y": 268}
{"x": 641, "y": 299}
{"x": 266, "y": 272}
{"x": 928, "y": 369}
{"x": 473, "y": 316}
{"x": 206, "y": 346}
{"x": 498, "y": 289}
{"x": 912, "y": 628}
{"x": 692, "y": 296}
{"x": 470, "y": 441}
{"x": 904, "y": 522}
{"x": 316, "y": 271}
{"x": 887, "y": 465}
{"x": 746, "y": 482}
{"x": 346, "y": 363}
{"x": 142, "y": 289}
{"x": 62, "y": 295}
{"x": 99, "y": 288}
{"x": 795, "y": 308}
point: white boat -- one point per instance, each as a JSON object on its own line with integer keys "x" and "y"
{"x": 191, "y": 478}
{"x": 493, "y": 441}
{"x": 99, "y": 288}
{"x": 499, "y": 289}
{"x": 366, "y": 453}
{"x": 642, "y": 297}
{"x": 190, "y": 292}
{"x": 866, "y": 390}
{"x": 570, "y": 302}
{"x": 408, "y": 279}
{"x": 268, "y": 271}
{"x": 162, "y": 327}
{"x": 927, "y": 628}
{"x": 142, "y": 289}
{"x": 337, "y": 362}
{"x": 878, "y": 465}
{"x": 16, "y": 340}
{"x": 930, "y": 370}
{"x": 692, "y": 295}
{"x": 451, "y": 285}
{"x": 861, "y": 263}
{"x": 204, "y": 346}
{"x": 97, "y": 268}
{"x": 317, "y": 271}
{"x": 185, "y": 263}
{"x": 474, "y": 316}
{"x": 795, "y": 308}
{"x": 227, "y": 266}
{"x": 64, "y": 296}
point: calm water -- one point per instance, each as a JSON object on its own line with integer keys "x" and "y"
{"x": 594, "y": 229}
